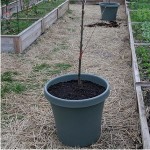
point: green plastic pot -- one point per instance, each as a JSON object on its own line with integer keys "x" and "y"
{"x": 78, "y": 122}
{"x": 109, "y": 11}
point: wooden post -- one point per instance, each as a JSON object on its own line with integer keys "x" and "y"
{"x": 17, "y": 45}
{"x": 42, "y": 25}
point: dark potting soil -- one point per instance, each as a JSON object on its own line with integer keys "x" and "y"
{"x": 70, "y": 90}
{"x": 109, "y": 24}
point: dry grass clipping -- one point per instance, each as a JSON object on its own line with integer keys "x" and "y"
{"x": 27, "y": 119}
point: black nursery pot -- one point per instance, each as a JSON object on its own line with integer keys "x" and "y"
{"x": 109, "y": 11}
{"x": 78, "y": 122}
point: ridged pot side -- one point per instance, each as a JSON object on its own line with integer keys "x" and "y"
{"x": 78, "y": 122}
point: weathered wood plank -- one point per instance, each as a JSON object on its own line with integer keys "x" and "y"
{"x": 62, "y": 8}
{"x": 143, "y": 120}
{"x": 49, "y": 19}
{"x": 17, "y": 44}
{"x": 7, "y": 44}
{"x": 143, "y": 84}
{"x": 9, "y": 36}
{"x": 27, "y": 29}
{"x": 25, "y": 18}
{"x": 30, "y": 34}
{"x": 145, "y": 44}
{"x": 136, "y": 74}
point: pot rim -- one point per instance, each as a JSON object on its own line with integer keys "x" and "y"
{"x": 77, "y": 103}
{"x": 111, "y": 4}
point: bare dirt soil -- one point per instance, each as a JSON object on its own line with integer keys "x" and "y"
{"x": 27, "y": 119}
{"x": 146, "y": 95}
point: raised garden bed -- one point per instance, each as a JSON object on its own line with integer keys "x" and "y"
{"x": 39, "y": 10}
{"x": 19, "y": 42}
{"x": 13, "y": 5}
{"x": 139, "y": 25}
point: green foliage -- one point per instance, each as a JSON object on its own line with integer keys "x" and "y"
{"x": 134, "y": 5}
{"x": 5, "y": 2}
{"x": 10, "y": 27}
{"x": 140, "y": 1}
{"x": 140, "y": 15}
{"x": 146, "y": 30}
{"x": 143, "y": 55}
{"x": 142, "y": 31}
{"x": 26, "y": 2}
{"x": 39, "y": 10}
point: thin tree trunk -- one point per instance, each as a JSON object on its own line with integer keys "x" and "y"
{"x": 81, "y": 44}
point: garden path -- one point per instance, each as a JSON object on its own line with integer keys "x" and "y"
{"x": 27, "y": 120}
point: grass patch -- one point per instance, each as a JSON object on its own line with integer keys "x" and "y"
{"x": 51, "y": 70}
{"x": 33, "y": 85}
{"x": 61, "y": 46}
{"x": 9, "y": 84}
{"x": 71, "y": 30}
{"x": 8, "y": 76}
{"x": 56, "y": 49}
{"x": 8, "y": 114}
{"x": 40, "y": 67}
{"x": 62, "y": 66}
{"x": 69, "y": 11}
{"x": 15, "y": 87}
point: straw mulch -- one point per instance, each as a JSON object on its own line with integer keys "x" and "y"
{"x": 27, "y": 119}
